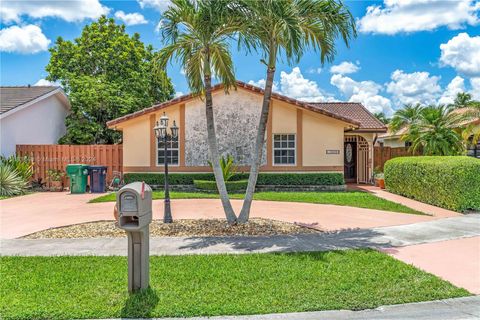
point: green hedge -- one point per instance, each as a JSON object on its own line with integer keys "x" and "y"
{"x": 276, "y": 179}
{"x": 210, "y": 185}
{"x": 448, "y": 182}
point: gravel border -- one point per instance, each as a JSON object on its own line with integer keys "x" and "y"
{"x": 179, "y": 228}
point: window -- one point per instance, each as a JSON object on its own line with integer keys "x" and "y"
{"x": 284, "y": 149}
{"x": 408, "y": 144}
{"x": 172, "y": 151}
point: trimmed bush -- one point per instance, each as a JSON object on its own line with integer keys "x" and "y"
{"x": 273, "y": 179}
{"x": 298, "y": 179}
{"x": 210, "y": 185}
{"x": 448, "y": 182}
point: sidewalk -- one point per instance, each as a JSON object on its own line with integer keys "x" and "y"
{"x": 383, "y": 238}
{"x": 467, "y": 308}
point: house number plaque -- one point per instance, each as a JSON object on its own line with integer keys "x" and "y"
{"x": 333, "y": 151}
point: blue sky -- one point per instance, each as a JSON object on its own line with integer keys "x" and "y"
{"x": 407, "y": 51}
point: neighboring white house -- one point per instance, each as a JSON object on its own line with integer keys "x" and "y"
{"x": 31, "y": 115}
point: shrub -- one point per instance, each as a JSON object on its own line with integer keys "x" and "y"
{"x": 55, "y": 175}
{"x": 229, "y": 169}
{"x": 278, "y": 179}
{"x": 448, "y": 182}
{"x": 232, "y": 186}
{"x": 306, "y": 179}
{"x": 11, "y": 183}
{"x": 22, "y": 165}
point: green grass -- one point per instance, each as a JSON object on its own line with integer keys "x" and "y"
{"x": 351, "y": 198}
{"x": 95, "y": 287}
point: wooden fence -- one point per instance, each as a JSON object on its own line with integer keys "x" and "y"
{"x": 382, "y": 154}
{"x": 46, "y": 157}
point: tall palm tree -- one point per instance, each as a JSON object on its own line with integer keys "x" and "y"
{"x": 437, "y": 132}
{"x": 288, "y": 28}
{"x": 198, "y": 33}
{"x": 405, "y": 117}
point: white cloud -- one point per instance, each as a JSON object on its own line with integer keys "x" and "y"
{"x": 418, "y": 15}
{"x": 415, "y": 87}
{"x": 475, "y": 83}
{"x": 72, "y": 10}
{"x": 365, "y": 92}
{"x": 261, "y": 84}
{"x": 462, "y": 52}
{"x": 179, "y": 94}
{"x": 455, "y": 86}
{"x": 130, "y": 19}
{"x": 314, "y": 70}
{"x": 345, "y": 67}
{"x": 294, "y": 85}
{"x": 159, "y": 5}
{"x": 44, "y": 82}
{"x": 26, "y": 39}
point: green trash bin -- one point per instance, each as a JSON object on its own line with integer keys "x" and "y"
{"x": 78, "y": 174}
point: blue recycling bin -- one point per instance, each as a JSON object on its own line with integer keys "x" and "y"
{"x": 98, "y": 177}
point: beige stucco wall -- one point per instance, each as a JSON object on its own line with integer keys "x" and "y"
{"x": 394, "y": 143}
{"x": 284, "y": 118}
{"x": 321, "y": 133}
{"x": 136, "y": 142}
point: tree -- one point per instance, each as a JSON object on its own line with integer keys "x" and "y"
{"x": 405, "y": 117}
{"x": 436, "y": 131}
{"x": 382, "y": 117}
{"x": 288, "y": 28}
{"x": 198, "y": 34}
{"x": 462, "y": 100}
{"x": 107, "y": 74}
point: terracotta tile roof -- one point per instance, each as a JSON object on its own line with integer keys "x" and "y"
{"x": 12, "y": 97}
{"x": 298, "y": 103}
{"x": 353, "y": 110}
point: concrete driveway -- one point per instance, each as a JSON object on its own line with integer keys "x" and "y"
{"x": 23, "y": 215}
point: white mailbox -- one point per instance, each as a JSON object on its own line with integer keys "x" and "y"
{"x": 134, "y": 205}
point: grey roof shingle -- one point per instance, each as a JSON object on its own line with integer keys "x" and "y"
{"x": 353, "y": 110}
{"x": 13, "y": 97}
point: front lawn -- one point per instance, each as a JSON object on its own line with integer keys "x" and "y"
{"x": 208, "y": 285}
{"x": 351, "y": 198}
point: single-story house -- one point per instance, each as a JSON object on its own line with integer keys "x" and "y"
{"x": 31, "y": 115}
{"x": 301, "y": 136}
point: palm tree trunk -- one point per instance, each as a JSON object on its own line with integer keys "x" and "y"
{"x": 259, "y": 142}
{"x": 212, "y": 146}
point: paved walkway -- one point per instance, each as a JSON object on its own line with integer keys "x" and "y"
{"x": 20, "y": 216}
{"x": 449, "y": 309}
{"x": 417, "y": 205}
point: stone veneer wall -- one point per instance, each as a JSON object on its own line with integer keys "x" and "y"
{"x": 236, "y": 121}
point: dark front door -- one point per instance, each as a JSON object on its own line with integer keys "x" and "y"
{"x": 350, "y": 161}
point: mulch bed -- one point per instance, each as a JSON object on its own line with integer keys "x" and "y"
{"x": 179, "y": 228}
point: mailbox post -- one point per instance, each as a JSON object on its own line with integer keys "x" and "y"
{"x": 134, "y": 205}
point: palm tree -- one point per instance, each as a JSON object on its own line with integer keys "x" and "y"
{"x": 288, "y": 27}
{"x": 405, "y": 117}
{"x": 462, "y": 100}
{"x": 437, "y": 132}
{"x": 198, "y": 33}
{"x": 382, "y": 117}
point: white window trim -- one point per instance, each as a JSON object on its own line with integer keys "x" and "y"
{"x": 295, "y": 151}
{"x": 170, "y": 164}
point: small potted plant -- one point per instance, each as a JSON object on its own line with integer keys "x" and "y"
{"x": 380, "y": 180}
{"x": 55, "y": 178}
